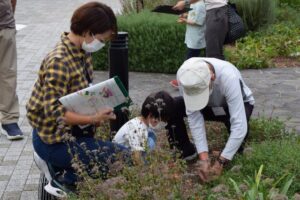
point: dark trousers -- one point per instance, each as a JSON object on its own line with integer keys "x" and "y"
{"x": 216, "y": 30}
{"x": 177, "y": 132}
{"x": 190, "y": 53}
{"x": 88, "y": 149}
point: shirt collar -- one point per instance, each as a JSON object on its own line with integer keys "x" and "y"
{"x": 76, "y": 52}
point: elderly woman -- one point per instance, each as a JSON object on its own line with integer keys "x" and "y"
{"x": 68, "y": 68}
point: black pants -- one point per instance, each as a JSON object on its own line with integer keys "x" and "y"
{"x": 190, "y": 53}
{"x": 216, "y": 30}
{"x": 177, "y": 132}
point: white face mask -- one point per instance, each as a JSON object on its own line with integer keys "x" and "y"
{"x": 94, "y": 46}
{"x": 159, "y": 126}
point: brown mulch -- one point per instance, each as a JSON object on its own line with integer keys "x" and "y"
{"x": 283, "y": 62}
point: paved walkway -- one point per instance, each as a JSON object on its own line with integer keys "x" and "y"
{"x": 276, "y": 90}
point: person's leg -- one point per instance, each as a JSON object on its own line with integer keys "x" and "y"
{"x": 216, "y": 30}
{"x": 89, "y": 151}
{"x": 192, "y": 53}
{"x": 177, "y": 132}
{"x": 151, "y": 141}
{"x": 202, "y": 52}
{"x": 209, "y": 116}
{"x": 57, "y": 155}
{"x": 9, "y": 105}
{"x": 248, "y": 109}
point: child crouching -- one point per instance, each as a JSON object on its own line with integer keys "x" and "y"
{"x": 139, "y": 134}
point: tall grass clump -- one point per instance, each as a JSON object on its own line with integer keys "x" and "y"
{"x": 280, "y": 157}
{"x": 256, "y": 13}
{"x": 293, "y": 3}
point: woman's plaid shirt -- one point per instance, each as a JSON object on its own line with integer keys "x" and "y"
{"x": 62, "y": 72}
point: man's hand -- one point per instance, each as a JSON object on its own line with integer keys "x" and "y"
{"x": 217, "y": 169}
{"x": 204, "y": 170}
{"x": 179, "y": 5}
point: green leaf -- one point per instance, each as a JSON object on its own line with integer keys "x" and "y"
{"x": 286, "y": 186}
{"x": 235, "y": 186}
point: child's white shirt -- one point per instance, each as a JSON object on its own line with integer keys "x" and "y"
{"x": 133, "y": 134}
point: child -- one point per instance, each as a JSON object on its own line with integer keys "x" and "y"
{"x": 195, "y": 29}
{"x": 139, "y": 134}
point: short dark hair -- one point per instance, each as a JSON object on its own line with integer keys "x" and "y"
{"x": 158, "y": 105}
{"x": 93, "y": 17}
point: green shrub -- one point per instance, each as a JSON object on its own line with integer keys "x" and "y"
{"x": 156, "y": 43}
{"x": 262, "y": 129}
{"x": 256, "y": 13}
{"x": 258, "y": 48}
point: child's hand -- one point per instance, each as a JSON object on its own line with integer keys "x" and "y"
{"x": 184, "y": 15}
{"x": 181, "y": 20}
{"x": 137, "y": 158}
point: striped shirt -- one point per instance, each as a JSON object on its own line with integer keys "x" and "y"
{"x": 62, "y": 72}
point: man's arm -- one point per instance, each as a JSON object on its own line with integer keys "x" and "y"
{"x": 197, "y": 127}
{"x": 181, "y": 4}
{"x": 13, "y": 4}
{"x": 238, "y": 121}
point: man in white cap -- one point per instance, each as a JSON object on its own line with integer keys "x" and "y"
{"x": 214, "y": 90}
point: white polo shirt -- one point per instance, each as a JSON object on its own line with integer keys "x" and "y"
{"x": 210, "y": 4}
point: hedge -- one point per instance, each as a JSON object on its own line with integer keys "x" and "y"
{"x": 156, "y": 43}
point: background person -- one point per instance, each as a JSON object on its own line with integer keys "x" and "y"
{"x": 9, "y": 105}
{"x": 216, "y": 25}
{"x": 194, "y": 35}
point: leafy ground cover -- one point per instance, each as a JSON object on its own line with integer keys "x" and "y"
{"x": 269, "y": 168}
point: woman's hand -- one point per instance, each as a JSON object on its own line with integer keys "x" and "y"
{"x": 103, "y": 115}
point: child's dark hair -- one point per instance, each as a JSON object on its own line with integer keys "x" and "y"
{"x": 158, "y": 105}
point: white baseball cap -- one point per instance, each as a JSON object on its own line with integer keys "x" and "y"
{"x": 194, "y": 78}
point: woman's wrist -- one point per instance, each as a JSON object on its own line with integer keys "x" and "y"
{"x": 94, "y": 119}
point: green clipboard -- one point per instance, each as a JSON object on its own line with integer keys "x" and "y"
{"x": 128, "y": 101}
